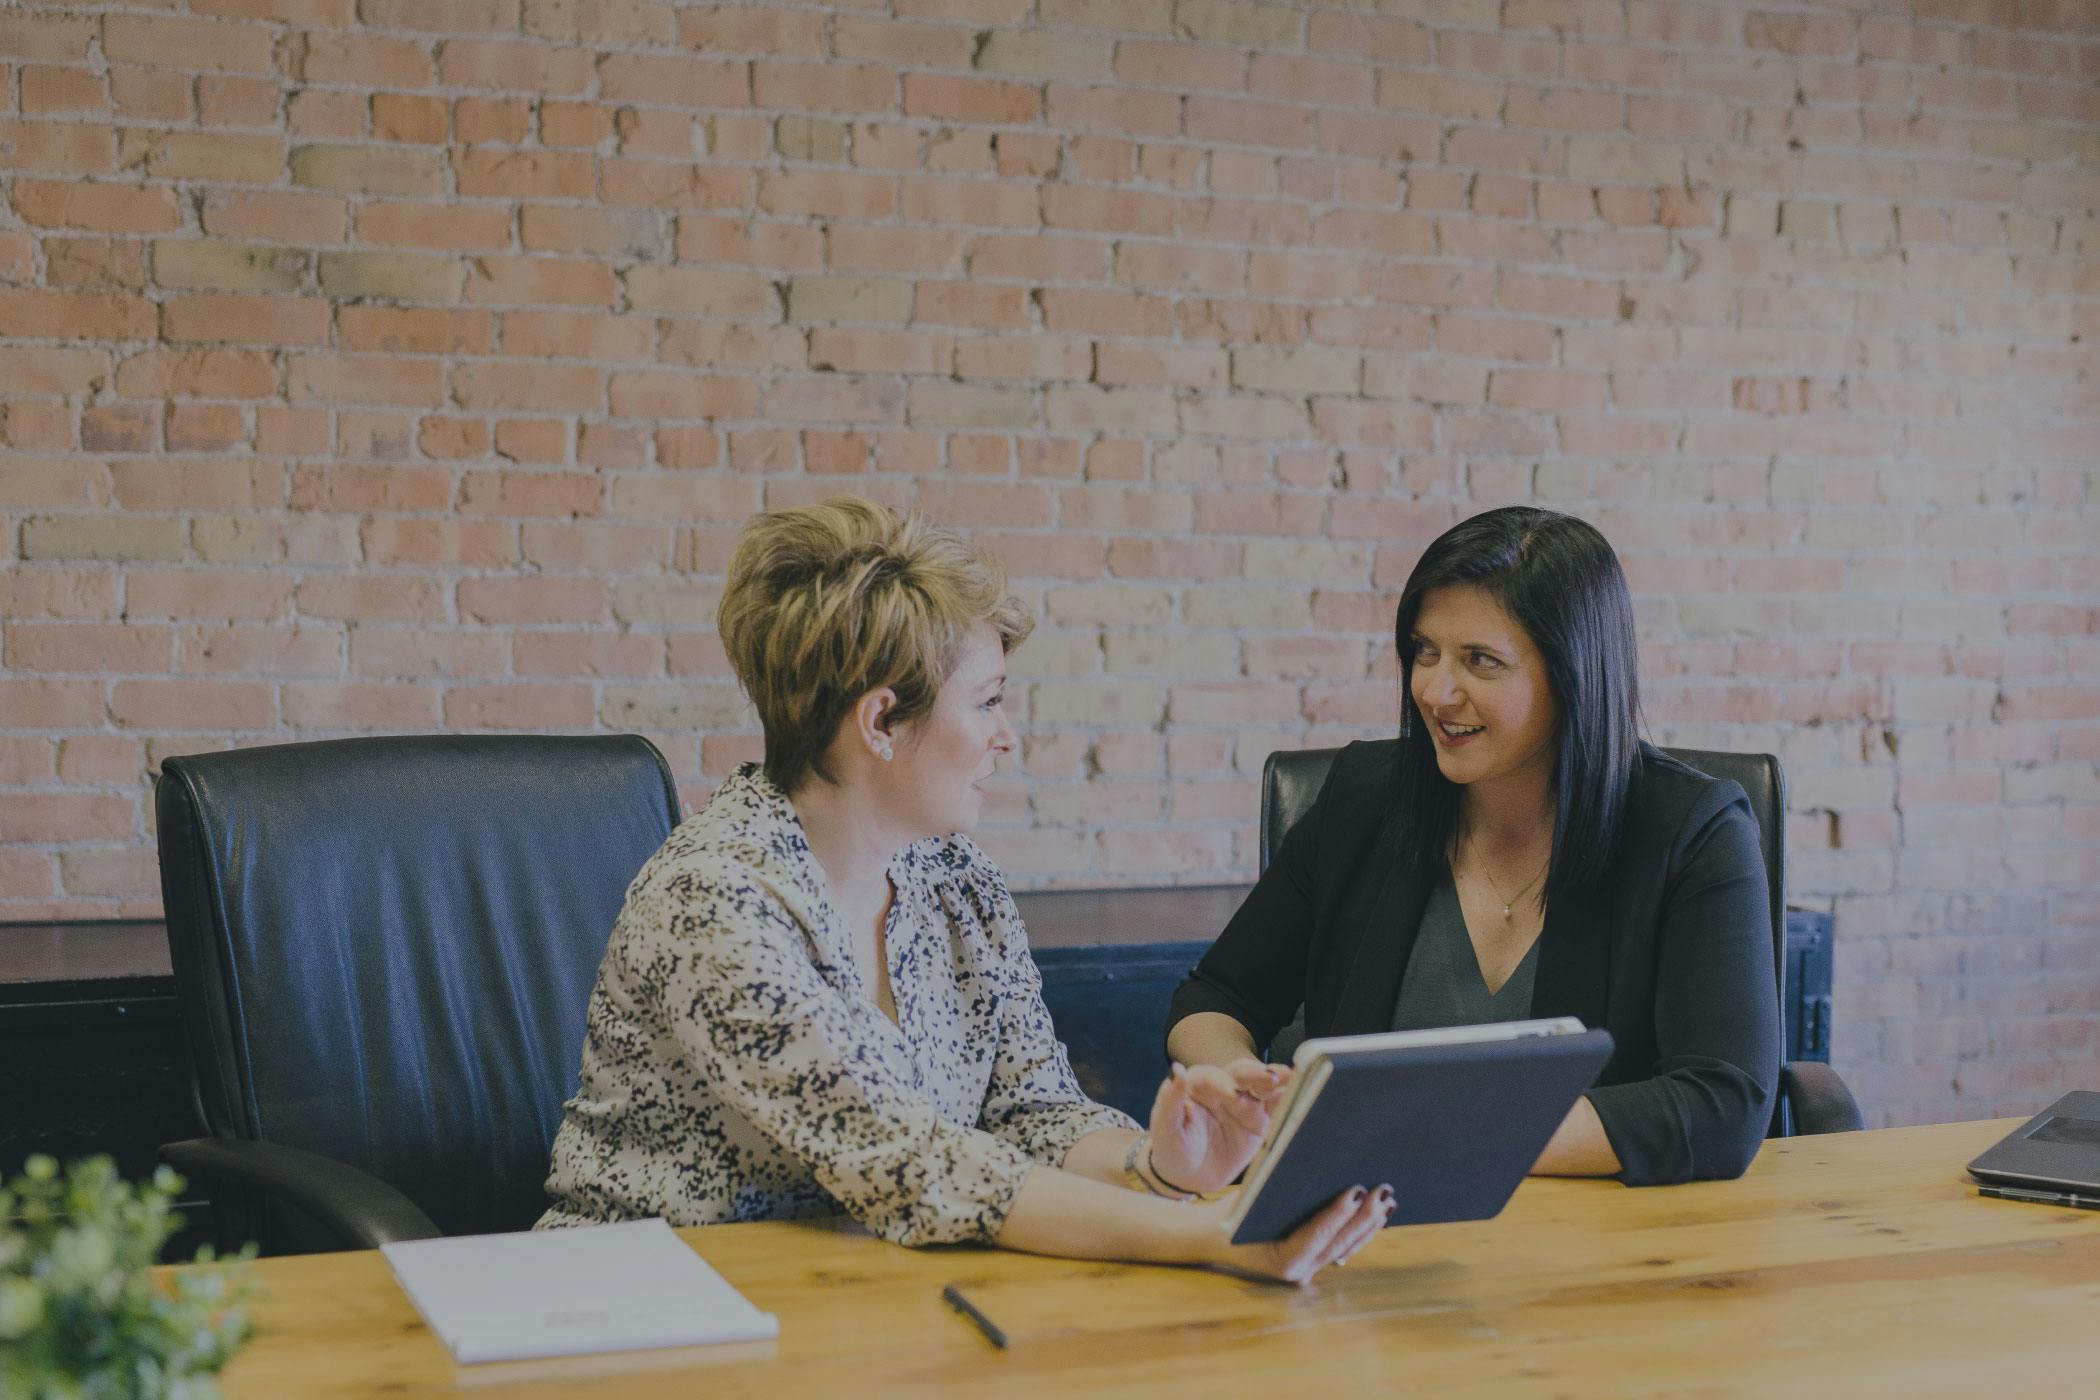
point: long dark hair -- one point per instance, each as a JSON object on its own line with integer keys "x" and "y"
{"x": 1560, "y": 580}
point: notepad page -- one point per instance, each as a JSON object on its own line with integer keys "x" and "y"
{"x": 591, "y": 1288}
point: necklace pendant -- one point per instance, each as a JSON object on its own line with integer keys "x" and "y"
{"x": 1505, "y": 913}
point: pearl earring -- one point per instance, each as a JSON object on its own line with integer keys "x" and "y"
{"x": 884, "y": 752}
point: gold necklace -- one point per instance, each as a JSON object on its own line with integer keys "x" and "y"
{"x": 1522, "y": 890}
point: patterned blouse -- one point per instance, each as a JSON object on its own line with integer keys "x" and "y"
{"x": 736, "y": 1067}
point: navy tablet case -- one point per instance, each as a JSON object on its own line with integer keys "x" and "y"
{"x": 1454, "y": 1128}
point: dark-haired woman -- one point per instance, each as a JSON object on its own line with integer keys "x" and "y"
{"x": 1519, "y": 852}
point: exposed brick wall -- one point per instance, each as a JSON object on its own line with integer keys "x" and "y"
{"x": 382, "y": 365}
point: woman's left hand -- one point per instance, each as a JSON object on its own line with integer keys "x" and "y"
{"x": 1208, "y": 1121}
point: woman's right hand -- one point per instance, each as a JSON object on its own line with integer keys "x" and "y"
{"x": 1350, "y": 1221}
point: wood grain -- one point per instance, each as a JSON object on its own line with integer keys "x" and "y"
{"x": 1861, "y": 1263}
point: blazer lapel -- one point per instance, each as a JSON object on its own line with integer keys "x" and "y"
{"x": 1385, "y": 911}
{"x": 1574, "y": 973}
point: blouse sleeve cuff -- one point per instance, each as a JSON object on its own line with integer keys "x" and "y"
{"x": 968, "y": 1181}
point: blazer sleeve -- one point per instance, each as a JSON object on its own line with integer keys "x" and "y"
{"x": 752, "y": 1016}
{"x": 1255, "y": 972}
{"x": 1704, "y": 1112}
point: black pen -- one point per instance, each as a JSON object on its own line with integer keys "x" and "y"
{"x": 954, "y": 1298}
{"x": 2041, "y": 1198}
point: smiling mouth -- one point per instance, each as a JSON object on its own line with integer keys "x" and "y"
{"x": 1459, "y": 731}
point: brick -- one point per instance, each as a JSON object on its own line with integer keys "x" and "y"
{"x": 680, "y": 82}
{"x": 95, "y": 262}
{"x": 89, "y": 648}
{"x": 259, "y": 651}
{"x": 80, "y": 315}
{"x": 58, "y": 817}
{"x": 514, "y": 67}
{"x": 1183, "y": 66}
{"x": 587, "y": 654}
{"x": 392, "y": 276}
{"x": 495, "y": 172}
{"x": 674, "y": 394}
{"x": 282, "y": 218}
{"x": 545, "y": 281}
{"x": 877, "y": 351}
{"x": 56, "y": 147}
{"x": 198, "y": 485}
{"x": 341, "y": 706}
{"x": 325, "y": 115}
{"x": 863, "y": 299}
{"x": 665, "y": 185}
{"x": 416, "y": 330}
{"x": 948, "y": 97}
{"x": 702, "y": 291}
{"x": 532, "y": 494}
{"x": 622, "y": 233}
{"x": 256, "y": 320}
{"x": 1042, "y": 53}
{"x": 971, "y": 304}
{"x": 970, "y": 406}
{"x": 102, "y": 537}
{"x": 440, "y": 227}
{"x": 196, "y": 593}
{"x": 623, "y": 23}
{"x": 534, "y": 706}
{"x": 532, "y": 600}
{"x": 371, "y": 170}
{"x": 191, "y": 704}
{"x": 46, "y": 38}
{"x": 236, "y": 267}
{"x": 188, "y": 43}
{"x": 365, "y": 379}
{"x": 832, "y": 87}
{"x": 538, "y": 440}
{"x": 1296, "y": 371}
{"x": 234, "y": 102}
{"x": 92, "y": 205}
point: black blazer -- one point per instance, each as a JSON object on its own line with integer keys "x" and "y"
{"x": 1673, "y": 955}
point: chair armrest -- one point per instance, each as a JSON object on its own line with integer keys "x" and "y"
{"x": 1819, "y": 1099}
{"x": 362, "y": 1211}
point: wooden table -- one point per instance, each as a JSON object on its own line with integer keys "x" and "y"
{"x": 1854, "y": 1264}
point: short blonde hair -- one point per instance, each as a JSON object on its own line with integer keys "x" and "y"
{"x": 825, "y": 603}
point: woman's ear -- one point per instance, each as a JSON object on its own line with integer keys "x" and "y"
{"x": 871, "y": 721}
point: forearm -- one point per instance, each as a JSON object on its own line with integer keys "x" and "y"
{"x": 1099, "y": 1155}
{"x": 1066, "y": 1214}
{"x": 1209, "y": 1038}
{"x": 1578, "y": 1146}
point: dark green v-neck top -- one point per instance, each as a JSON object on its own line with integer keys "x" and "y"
{"x": 1443, "y": 986}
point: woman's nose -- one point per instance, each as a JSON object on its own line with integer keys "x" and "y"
{"x": 1004, "y": 740}
{"x": 1434, "y": 684}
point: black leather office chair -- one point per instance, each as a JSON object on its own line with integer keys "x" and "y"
{"x": 1813, "y": 1099}
{"x": 383, "y": 948}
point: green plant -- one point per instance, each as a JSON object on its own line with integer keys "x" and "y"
{"x": 81, "y": 1316}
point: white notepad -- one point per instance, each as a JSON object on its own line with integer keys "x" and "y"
{"x": 563, "y": 1292}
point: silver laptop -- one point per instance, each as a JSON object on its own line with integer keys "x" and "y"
{"x": 2054, "y": 1157}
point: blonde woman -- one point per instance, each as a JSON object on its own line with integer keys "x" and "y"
{"x": 818, "y": 996}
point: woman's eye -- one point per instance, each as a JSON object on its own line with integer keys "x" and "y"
{"x": 1486, "y": 662}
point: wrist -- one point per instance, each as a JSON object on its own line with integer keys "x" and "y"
{"x": 1139, "y": 1173}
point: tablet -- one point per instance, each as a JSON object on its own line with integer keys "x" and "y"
{"x": 1453, "y": 1118}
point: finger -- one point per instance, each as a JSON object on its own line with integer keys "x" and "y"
{"x": 1362, "y": 1223}
{"x": 1224, "y": 1101}
{"x": 1362, "y": 1231}
{"x": 1306, "y": 1250}
{"x": 1260, "y": 1081}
